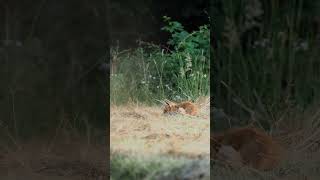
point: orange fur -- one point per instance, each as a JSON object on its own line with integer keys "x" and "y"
{"x": 187, "y": 106}
{"x": 256, "y": 148}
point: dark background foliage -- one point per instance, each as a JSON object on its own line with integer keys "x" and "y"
{"x": 50, "y": 58}
{"x": 54, "y": 56}
{"x": 265, "y": 57}
{"x": 142, "y": 19}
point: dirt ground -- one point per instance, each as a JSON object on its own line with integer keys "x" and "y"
{"x": 145, "y": 130}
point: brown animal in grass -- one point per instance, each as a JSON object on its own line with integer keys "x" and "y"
{"x": 256, "y": 148}
{"x": 185, "y": 107}
{"x": 228, "y": 156}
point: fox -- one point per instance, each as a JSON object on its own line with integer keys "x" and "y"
{"x": 256, "y": 149}
{"x": 185, "y": 107}
{"x": 229, "y": 156}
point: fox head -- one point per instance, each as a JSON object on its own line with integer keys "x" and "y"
{"x": 185, "y": 107}
{"x": 170, "y": 107}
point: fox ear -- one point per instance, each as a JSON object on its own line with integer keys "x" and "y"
{"x": 169, "y": 103}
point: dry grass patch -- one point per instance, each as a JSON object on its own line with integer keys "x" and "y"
{"x": 72, "y": 159}
{"x": 145, "y": 130}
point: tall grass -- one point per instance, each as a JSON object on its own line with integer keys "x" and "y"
{"x": 151, "y": 72}
{"x": 267, "y": 57}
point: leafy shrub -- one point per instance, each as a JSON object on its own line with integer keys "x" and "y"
{"x": 156, "y": 73}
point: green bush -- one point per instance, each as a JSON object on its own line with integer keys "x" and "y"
{"x": 151, "y": 72}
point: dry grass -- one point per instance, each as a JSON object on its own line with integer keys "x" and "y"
{"x": 145, "y": 143}
{"x": 72, "y": 159}
{"x": 296, "y": 166}
{"x": 145, "y": 130}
